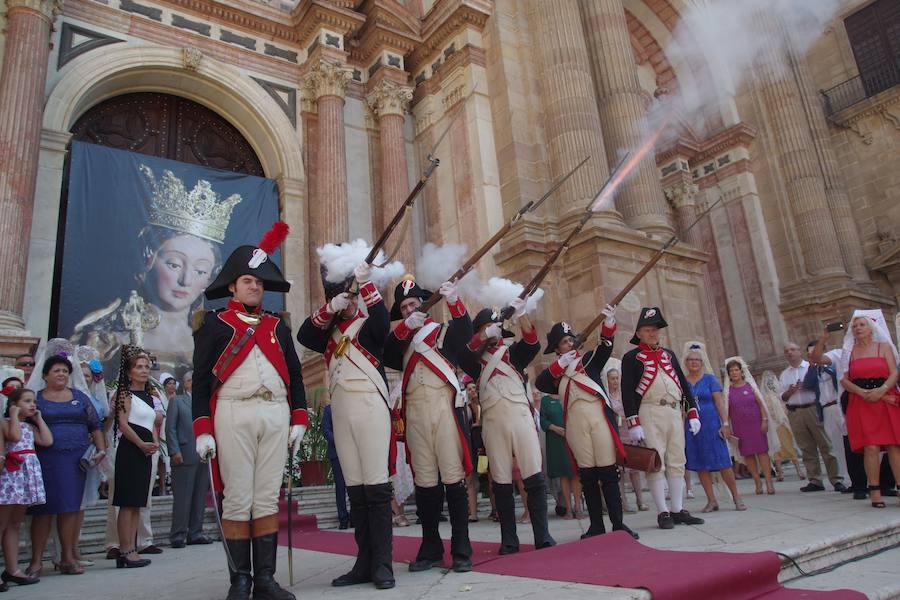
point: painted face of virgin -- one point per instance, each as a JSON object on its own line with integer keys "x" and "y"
{"x": 182, "y": 270}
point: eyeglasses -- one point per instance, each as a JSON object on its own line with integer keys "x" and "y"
{"x": 25, "y": 364}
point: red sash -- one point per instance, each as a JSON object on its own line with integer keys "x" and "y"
{"x": 15, "y": 458}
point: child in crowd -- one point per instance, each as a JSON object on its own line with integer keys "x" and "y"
{"x": 21, "y": 481}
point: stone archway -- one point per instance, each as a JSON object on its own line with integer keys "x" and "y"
{"x": 94, "y": 77}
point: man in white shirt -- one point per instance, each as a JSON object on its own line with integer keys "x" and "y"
{"x": 800, "y": 401}
{"x": 829, "y": 401}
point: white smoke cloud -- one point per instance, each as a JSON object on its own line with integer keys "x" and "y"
{"x": 731, "y": 38}
{"x": 340, "y": 260}
{"x": 499, "y": 292}
{"x": 438, "y": 263}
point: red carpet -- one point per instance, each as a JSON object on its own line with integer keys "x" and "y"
{"x": 614, "y": 559}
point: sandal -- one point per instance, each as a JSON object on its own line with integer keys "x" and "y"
{"x": 710, "y": 507}
{"x": 401, "y": 521}
{"x": 876, "y": 503}
{"x": 71, "y": 569}
{"x": 739, "y": 505}
{"x": 643, "y": 507}
{"x": 494, "y": 516}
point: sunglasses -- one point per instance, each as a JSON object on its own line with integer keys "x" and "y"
{"x": 25, "y": 364}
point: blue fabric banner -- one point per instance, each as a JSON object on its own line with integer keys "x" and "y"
{"x": 144, "y": 236}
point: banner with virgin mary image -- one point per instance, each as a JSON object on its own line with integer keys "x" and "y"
{"x": 143, "y": 238}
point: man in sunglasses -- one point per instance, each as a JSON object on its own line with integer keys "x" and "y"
{"x": 26, "y": 363}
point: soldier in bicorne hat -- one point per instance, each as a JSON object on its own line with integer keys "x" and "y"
{"x": 508, "y": 426}
{"x": 249, "y": 410}
{"x": 654, "y": 392}
{"x": 352, "y": 344}
{"x": 590, "y": 422}
{"x": 427, "y": 352}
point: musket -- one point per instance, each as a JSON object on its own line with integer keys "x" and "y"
{"x": 582, "y": 337}
{"x": 535, "y": 282}
{"x": 528, "y": 207}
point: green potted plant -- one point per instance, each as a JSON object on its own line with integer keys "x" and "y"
{"x": 314, "y": 468}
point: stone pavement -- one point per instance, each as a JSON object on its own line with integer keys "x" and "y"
{"x": 810, "y": 527}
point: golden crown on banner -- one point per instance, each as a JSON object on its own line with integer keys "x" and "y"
{"x": 198, "y": 212}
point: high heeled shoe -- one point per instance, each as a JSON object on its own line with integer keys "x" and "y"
{"x": 876, "y": 503}
{"x": 124, "y": 563}
{"x": 8, "y": 577}
{"x": 710, "y": 507}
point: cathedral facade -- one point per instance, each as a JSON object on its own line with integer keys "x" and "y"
{"x": 341, "y": 102}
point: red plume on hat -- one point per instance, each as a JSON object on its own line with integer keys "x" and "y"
{"x": 270, "y": 242}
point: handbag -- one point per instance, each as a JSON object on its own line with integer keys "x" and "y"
{"x": 641, "y": 458}
{"x": 482, "y": 467}
{"x": 87, "y": 460}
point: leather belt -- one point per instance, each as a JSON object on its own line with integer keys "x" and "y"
{"x": 829, "y": 404}
{"x": 673, "y": 404}
{"x": 793, "y": 408}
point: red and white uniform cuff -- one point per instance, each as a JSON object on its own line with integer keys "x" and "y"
{"x": 369, "y": 293}
{"x": 299, "y": 416}
{"x": 530, "y": 337}
{"x": 633, "y": 422}
{"x": 556, "y": 369}
{"x": 401, "y": 331}
{"x": 606, "y": 331}
{"x": 203, "y": 425}
{"x": 475, "y": 343}
{"x": 457, "y": 309}
{"x": 693, "y": 414}
{"x": 322, "y": 317}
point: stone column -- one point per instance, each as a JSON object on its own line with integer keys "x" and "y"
{"x": 795, "y": 152}
{"x": 623, "y": 107}
{"x": 835, "y": 191}
{"x": 684, "y": 199}
{"x": 22, "y": 80}
{"x": 389, "y": 102}
{"x": 327, "y": 83}
{"x": 570, "y": 109}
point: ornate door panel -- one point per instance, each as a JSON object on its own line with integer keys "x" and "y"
{"x": 168, "y": 127}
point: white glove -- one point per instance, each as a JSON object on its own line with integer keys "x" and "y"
{"x": 415, "y": 320}
{"x": 363, "y": 272}
{"x": 519, "y": 305}
{"x": 568, "y": 358}
{"x": 637, "y": 432}
{"x": 295, "y": 437}
{"x": 448, "y": 291}
{"x": 493, "y": 331}
{"x": 610, "y": 313}
{"x": 206, "y": 446}
{"x": 694, "y": 426}
{"x": 339, "y": 303}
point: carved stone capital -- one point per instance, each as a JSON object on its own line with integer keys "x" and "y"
{"x": 389, "y": 98}
{"x": 327, "y": 78}
{"x": 682, "y": 195}
{"x": 48, "y": 8}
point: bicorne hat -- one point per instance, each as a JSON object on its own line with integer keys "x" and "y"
{"x": 489, "y": 315}
{"x": 332, "y": 289}
{"x": 407, "y": 288}
{"x": 556, "y": 335}
{"x": 649, "y": 316}
{"x": 253, "y": 260}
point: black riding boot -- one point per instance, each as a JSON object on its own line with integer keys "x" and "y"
{"x": 590, "y": 485}
{"x": 609, "y": 477}
{"x": 265, "y": 552}
{"x": 536, "y": 488}
{"x": 241, "y": 576}
{"x": 428, "y": 508}
{"x": 506, "y": 510}
{"x": 361, "y": 571}
{"x": 458, "y": 506}
{"x": 381, "y": 534}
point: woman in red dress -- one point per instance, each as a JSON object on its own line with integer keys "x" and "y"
{"x": 873, "y": 413}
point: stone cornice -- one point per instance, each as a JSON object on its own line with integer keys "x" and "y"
{"x": 468, "y": 55}
{"x": 309, "y": 16}
{"x": 882, "y": 104}
{"x": 383, "y": 29}
{"x": 736, "y": 135}
{"x": 48, "y": 8}
{"x": 263, "y": 19}
{"x": 446, "y": 18}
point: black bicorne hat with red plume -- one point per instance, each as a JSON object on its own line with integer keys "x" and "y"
{"x": 253, "y": 260}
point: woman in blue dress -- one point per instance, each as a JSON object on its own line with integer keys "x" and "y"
{"x": 707, "y": 451}
{"x": 73, "y": 421}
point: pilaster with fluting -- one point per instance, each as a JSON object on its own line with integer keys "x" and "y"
{"x": 795, "y": 153}
{"x": 327, "y": 83}
{"x": 571, "y": 120}
{"x": 835, "y": 190}
{"x": 389, "y": 102}
{"x": 22, "y": 79}
{"x": 623, "y": 107}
